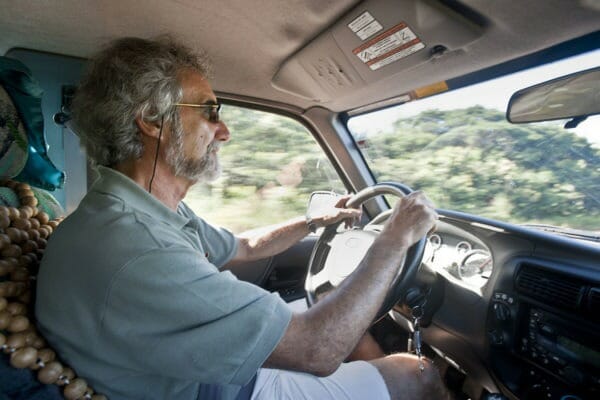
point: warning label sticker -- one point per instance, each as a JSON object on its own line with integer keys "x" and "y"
{"x": 365, "y": 25}
{"x": 392, "y": 45}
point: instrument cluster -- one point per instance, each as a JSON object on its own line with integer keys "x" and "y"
{"x": 465, "y": 260}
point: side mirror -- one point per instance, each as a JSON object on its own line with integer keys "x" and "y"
{"x": 575, "y": 96}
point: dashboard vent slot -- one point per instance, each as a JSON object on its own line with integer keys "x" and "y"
{"x": 559, "y": 290}
{"x": 594, "y": 299}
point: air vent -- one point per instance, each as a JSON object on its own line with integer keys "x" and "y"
{"x": 554, "y": 289}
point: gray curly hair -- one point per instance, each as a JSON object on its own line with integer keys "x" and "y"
{"x": 131, "y": 77}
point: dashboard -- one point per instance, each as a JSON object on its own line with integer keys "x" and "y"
{"x": 519, "y": 309}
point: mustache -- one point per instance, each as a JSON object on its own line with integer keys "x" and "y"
{"x": 213, "y": 146}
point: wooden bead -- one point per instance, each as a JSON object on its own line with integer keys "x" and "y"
{"x": 5, "y": 318}
{"x": 75, "y": 389}
{"x": 4, "y": 221}
{"x": 4, "y": 240}
{"x": 29, "y": 246}
{"x": 44, "y": 356}
{"x": 38, "y": 343}
{"x": 2, "y": 340}
{"x": 35, "y": 223}
{"x": 25, "y": 193}
{"x": 54, "y": 223}
{"x": 50, "y": 372}
{"x": 20, "y": 274}
{"x": 7, "y": 289}
{"x": 65, "y": 377}
{"x": 13, "y": 234}
{"x": 29, "y": 201}
{"x": 4, "y": 211}
{"x": 19, "y": 323}
{"x": 11, "y": 184}
{"x": 12, "y": 250}
{"x": 18, "y": 288}
{"x": 5, "y": 269}
{"x": 26, "y": 259}
{"x": 4, "y": 289}
{"x": 14, "y": 342}
{"x": 49, "y": 228}
{"x": 13, "y": 213}
{"x": 33, "y": 233}
{"x": 22, "y": 223}
{"x": 25, "y": 297}
{"x": 30, "y": 336}
{"x": 23, "y": 358}
{"x": 12, "y": 261}
{"x": 19, "y": 186}
{"x": 3, "y": 303}
{"x": 28, "y": 211}
{"x": 89, "y": 392}
{"x": 44, "y": 231}
{"x": 39, "y": 253}
{"x": 16, "y": 308}
{"x": 42, "y": 217}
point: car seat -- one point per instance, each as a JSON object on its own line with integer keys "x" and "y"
{"x": 29, "y": 368}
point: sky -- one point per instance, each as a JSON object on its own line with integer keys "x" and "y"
{"x": 491, "y": 94}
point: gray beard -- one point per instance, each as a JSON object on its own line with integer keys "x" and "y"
{"x": 204, "y": 169}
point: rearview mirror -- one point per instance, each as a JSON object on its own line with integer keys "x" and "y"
{"x": 575, "y": 96}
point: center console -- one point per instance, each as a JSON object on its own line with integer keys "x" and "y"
{"x": 543, "y": 349}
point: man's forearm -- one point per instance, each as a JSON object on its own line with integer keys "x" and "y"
{"x": 274, "y": 240}
{"x": 337, "y": 322}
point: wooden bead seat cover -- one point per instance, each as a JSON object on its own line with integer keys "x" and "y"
{"x": 24, "y": 231}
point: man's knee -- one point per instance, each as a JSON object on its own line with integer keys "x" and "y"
{"x": 405, "y": 380}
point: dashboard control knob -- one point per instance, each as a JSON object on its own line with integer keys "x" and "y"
{"x": 501, "y": 311}
{"x": 496, "y": 338}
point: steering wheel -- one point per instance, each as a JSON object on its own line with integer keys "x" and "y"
{"x": 337, "y": 254}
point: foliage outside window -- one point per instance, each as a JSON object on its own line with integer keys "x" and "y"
{"x": 270, "y": 167}
{"x": 467, "y": 157}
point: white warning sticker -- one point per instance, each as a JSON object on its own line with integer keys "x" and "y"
{"x": 365, "y": 25}
{"x": 392, "y": 45}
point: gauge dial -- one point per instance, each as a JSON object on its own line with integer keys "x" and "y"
{"x": 463, "y": 247}
{"x": 435, "y": 241}
{"x": 476, "y": 267}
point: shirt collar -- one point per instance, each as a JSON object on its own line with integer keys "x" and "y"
{"x": 117, "y": 184}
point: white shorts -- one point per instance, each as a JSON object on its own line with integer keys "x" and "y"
{"x": 357, "y": 380}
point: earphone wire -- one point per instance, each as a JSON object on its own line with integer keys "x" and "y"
{"x": 162, "y": 122}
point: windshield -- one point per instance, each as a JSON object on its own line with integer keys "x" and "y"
{"x": 458, "y": 147}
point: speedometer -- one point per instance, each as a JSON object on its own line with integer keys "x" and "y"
{"x": 476, "y": 267}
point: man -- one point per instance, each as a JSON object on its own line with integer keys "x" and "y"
{"x": 129, "y": 290}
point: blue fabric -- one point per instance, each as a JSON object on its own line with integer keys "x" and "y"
{"x": 26, "y": 94}
{"x": 22, "y": 384}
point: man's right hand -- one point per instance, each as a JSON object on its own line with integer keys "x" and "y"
{"x": 412, "y": 218}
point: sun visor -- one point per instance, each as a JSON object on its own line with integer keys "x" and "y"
{"x": 376, "y": 40}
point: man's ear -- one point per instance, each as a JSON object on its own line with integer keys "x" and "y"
{"x": 148, "y": 128}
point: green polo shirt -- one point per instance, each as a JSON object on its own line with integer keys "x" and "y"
{"x": 130, "y": 295}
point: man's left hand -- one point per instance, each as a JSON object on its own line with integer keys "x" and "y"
{"x": 336, "y": 213}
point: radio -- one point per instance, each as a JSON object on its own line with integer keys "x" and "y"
{"x": 568, "y": 351}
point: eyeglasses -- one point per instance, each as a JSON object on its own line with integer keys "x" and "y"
{"x": 211, "y": 110}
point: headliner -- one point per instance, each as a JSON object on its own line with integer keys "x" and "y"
{"x": 251, "y": 42}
